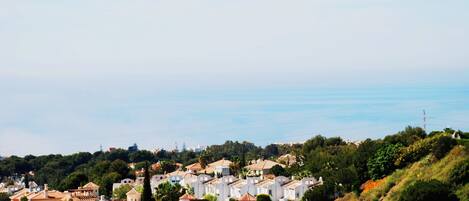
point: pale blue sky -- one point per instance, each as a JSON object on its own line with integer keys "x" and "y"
{"x": 77, "y": 74}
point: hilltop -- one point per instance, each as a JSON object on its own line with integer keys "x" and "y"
{"x": 448, "y": 176}
{"x": 371, "y": 169}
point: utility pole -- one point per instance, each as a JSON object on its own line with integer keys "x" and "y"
{"x": 424, "y": 121}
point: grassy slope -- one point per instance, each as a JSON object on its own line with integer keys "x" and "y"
{"x": 425, "y": 169}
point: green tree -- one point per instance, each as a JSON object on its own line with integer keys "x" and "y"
{"x": 74, "y": 180}
{"x": 106, "y": 182}
{"x": 428, "y": 190}
{"x": 442, "y": 146}
{"x": 26, "y": 180}
{"x": 210, "y": 197}
{"x": 141, "y": 155}
{"x": 382, "y": 163}
{"x": 319, "y": 193}
{"x": 120, "y": 193}
{"x": 406, "y": 137}
{"x": 365, "y": 151}
{"x": 24, "y": 198}
{"x": 168, "y": 192}
{"x": 263, "y": 197}
{"x": 278, "y": 170}
{"x": 120, "y": 167}
{"x": 146, "y": 195}
{"x": 4, "y": 197}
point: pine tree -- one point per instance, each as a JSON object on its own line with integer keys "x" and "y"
{"x": 26, "y": 180}
{"x": 146, "y": 195}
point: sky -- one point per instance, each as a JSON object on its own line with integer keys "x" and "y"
{"x": 75, "y": 75}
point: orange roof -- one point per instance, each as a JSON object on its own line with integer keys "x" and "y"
{"x": 51, "y": 194}
{"x": 91, "y": 185}
{"x": 263, "y": 164}
{"x": 194, "y": 167}
{"x": 247, "y": 197}
{"x": 187, "y": 197}
{"x": 22, "y": 193}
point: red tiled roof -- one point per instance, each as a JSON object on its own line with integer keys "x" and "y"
{"x": 187, "y": 197}
{"x": 247, "y": 197}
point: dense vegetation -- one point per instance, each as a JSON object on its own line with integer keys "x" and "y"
{"x": 343, "y": 166}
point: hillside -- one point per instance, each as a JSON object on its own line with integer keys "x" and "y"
{"x": 392, "y": 186}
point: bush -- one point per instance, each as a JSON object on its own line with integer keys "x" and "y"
{"x": 382, "y": 163}
{"x": 210, "y": 197}
{"x": 416, "y": 151}
{"x": 442, "y": 146}
{"x": 278, "y": 170}
{"x": 4, "y": 197}
{"x": 460, "y": 173}
{"x": 428, "y": 190}
{"x": 323, "y": 192}
{"x": 263, "y": 197}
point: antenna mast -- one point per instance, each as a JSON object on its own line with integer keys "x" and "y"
{"x": 424, "y": 121}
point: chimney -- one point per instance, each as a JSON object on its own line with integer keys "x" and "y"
{"x": 45, "y": 191}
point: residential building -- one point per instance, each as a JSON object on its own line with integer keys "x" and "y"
{"x": 287, "y": 159}
{"x": 46, "y": 195}
{"x": 133, "y": 148}
{"x": 92, "y": 187}
{"x": 261, "y": 167}
{"x": 194, "y": 168}
{"x": 198, "y": 184}
{"x": 123, "y": 182}
{"x": 220, "y": 187}
{"x": 133, "y": 195}
{"x": 243, "y": 186}
{"x": 295, "y": 189}
{"x": 272, "y": 187}
{"x": 21, "y": 193}
{"x": 220, "y": 167}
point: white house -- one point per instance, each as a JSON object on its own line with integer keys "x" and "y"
{"x": 133, "y": 195}
{"x": 262, "y": 167}
{"x": 295, "y": 189}
{"x": 220, "y": 187}
{"x": 220, "y": 167}
{"x": 198, "y": 184}
{"x": 272, "y": 187}
{"x": 243, "y": 186}
{"x": 123, "y": 182}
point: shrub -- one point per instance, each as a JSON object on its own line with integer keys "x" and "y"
{"x": 210, "y": 197}
{"x": 460, "y": 173}
{"x": 278, "y": 170}
{"x": 428, "y": 190}
{"x": 420, "y": 149}
{"x": 323, "y": 192}
{"x": 4, "y": 197}
{"x": 263, "y": 197}
{"x": 382, "y": 163}
{"x": 442, "y": 146}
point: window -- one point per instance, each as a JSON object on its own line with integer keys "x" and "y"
{"x": 270, "y": 192}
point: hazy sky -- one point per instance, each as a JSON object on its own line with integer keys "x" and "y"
{"x": 77, "y": 74}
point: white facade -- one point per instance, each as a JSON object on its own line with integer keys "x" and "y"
{"x": 220, "y": 187}
{"x": 273, "y": 187}
{"x": 296, "y": 189}
{"x": 222, "y": 170}
{"x": 198, "y": 184}
{"x": 243, "y": 186}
